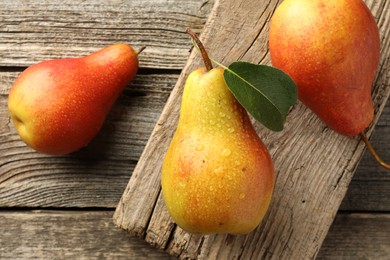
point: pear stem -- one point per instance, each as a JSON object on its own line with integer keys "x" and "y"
{"x": 140, "y": 50}
{"x": 373, "y": 153}
{"x": 205, "y": 56}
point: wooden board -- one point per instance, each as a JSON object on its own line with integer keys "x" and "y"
{"x": 68, "y": 235}
{"x": 368, "y": 233}
{"x": 60, "y": 234}
{"x": 30, "y": 179}
{"x": 35, "y": 30}
{"x": 314, "y": 165}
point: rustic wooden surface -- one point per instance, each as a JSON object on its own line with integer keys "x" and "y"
{"x": 62, "y": 207}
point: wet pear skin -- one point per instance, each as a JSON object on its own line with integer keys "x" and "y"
{"x": 217, "y": 175}
{"x": 58, "y": 106}
{"x": 331, "y": 49}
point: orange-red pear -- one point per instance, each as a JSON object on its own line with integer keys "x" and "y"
{"x": 58, "y": 106}
{"x": 330, "y": 48}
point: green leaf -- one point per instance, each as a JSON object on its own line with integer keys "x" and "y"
{"x": 265, "y": 92}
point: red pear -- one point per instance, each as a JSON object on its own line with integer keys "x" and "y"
{"x": 331, "y": 50}
{"x": 58, "y": 106}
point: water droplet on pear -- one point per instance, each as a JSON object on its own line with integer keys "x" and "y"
{"x": 226, "y": 152}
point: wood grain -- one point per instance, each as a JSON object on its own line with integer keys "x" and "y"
{"x": 37, "y": 30}
{"x": 92, "y": 235}
{"x": 69, "y": 235}
{"x": 30, "y": 179}
{"x": 314, "y": 164}
{"x": 358, "y": 236}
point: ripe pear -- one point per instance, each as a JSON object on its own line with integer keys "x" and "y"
{"x": 217, "y": 175}
{"x": 330, "y": 48}
{"x": 58, "y": 106}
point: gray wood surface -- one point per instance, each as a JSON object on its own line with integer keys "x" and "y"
{"x": 358, "y": 236}
{"x": 29, "y": 179}
{"x": 95, "y": 177}
{"x": 69, "y": 235}
{"x": 38, "y": 30}
{"x": 58, "y": 234}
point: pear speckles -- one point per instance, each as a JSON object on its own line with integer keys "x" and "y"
{"x": 241, "y": 196}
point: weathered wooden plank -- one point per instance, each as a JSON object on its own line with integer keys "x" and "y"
{"x": 68, "y": 235}
{"x": 314, "y": 164}
{"x": 358, "y": 236}
{"x": 367, "y": 196}
{"x": 94, "y": 176}
{"x": 37, "y": 30}
{"x": 92, "y": 235}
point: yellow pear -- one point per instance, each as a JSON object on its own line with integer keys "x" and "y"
{"x": 217, "y": 176}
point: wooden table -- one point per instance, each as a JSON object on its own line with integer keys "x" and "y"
{"x": 62, "y": 207}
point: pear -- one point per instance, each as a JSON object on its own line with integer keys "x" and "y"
{"x": 331, "y": 49}
{"x": 217, "y": 175}
{"x": 58, "y": 106}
